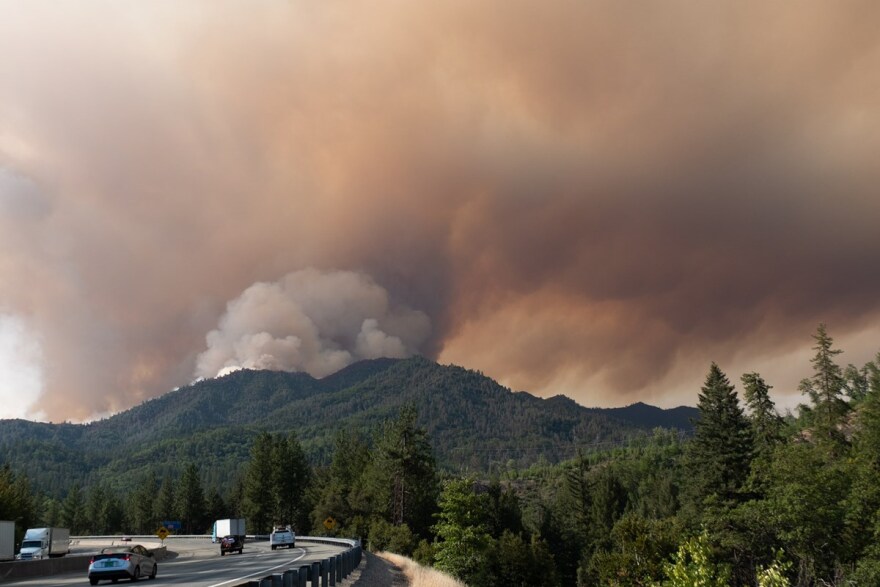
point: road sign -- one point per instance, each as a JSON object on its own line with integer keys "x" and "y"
{"x": 329, "y": 523}
{"x": 162, "y": 533}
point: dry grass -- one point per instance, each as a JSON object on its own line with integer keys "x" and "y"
{"x": 419, "y": 576}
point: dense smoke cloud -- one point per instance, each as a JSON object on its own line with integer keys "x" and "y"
{"x": 317, "y": 322}
{"x": 589, "y": 198}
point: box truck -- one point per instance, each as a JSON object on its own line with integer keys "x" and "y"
{"x": 229, "y": 527}
{"x": 41, "y": 543}
{"x": 230, "y": 533}
{"x": 7, "y": 540}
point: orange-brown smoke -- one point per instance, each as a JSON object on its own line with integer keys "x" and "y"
{"x": 593, "y": 198}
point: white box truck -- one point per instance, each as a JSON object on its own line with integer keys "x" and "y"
{"x": 7, "y": 540}
{"x": 42, "y": 543}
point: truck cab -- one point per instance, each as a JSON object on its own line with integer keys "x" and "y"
{"x": 40, "y": 543}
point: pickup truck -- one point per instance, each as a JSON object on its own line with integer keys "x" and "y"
{"x": 282, "y": 536}
{"x": 231, "y": 543}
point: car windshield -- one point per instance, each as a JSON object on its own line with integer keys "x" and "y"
{"x": 31, "y": 544}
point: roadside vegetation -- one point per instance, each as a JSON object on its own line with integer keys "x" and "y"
{"x": 418, "y": 575}
{"x": 752, "y": 498}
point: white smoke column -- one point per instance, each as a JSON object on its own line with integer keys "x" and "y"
{"x": 21, "y": 378}
{"x": 313, "y": 321}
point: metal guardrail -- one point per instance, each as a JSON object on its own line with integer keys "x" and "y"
{"x": 324, "y": 573}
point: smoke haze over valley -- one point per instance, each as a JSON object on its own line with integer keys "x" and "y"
{"x": 588, "y": 198}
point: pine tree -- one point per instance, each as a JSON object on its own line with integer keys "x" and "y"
{"x": 403, "y": 473}
{"x": 259, "y": 484}
{"x": 719, "y": 456}
{"x": 338, "y": 497}
{"x": 166, "y": 509}
{"x": 217, "y": 508}
{"x": 766, "y": 422}
{"x": 191, "y": 500}
{"x": 17, "y": 501}
{"x": 142, "y": 505}
{"x": 72, "y": 512}
{"x": 825, "y": 389}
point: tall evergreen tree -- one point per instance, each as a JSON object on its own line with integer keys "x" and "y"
{"x": 17, "y": 501}
{"x": 766, "y": 422}
{"x": 340, "y": 488}
{"x": 142, "y": 505}
{"x": 166, "y": 506}
{"x": 259, "y": 484}
{"x": 99, "y": 510}
{"x": 292, "y": 478}
{"x": 403, "y": 473}
{"x": 191, "y": 501}
{"x": 72, "y": 512}
{"x": 825, "y": 389}
{"x": 720, "y": 454}
{"x": 216, "y": 507}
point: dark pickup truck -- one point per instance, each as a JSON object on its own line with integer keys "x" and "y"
{"x": 231, "y": 544}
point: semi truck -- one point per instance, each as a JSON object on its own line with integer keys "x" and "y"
{"x": 7, "y": 540}
{"x": 42, "y": 543}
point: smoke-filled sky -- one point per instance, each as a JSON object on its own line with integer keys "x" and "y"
{"x": 578, "y": 197}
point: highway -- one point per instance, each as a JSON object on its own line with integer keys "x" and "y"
{"x": 197, "y": 563}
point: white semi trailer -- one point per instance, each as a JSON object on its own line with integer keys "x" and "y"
{"x": 7, "y": 540}
{"x": 41, "y": 543}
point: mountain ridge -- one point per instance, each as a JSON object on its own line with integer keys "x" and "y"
{"x": 472, "y": 421}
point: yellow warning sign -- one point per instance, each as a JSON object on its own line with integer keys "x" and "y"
{"x": 162, "y": 532}
{"x": 329, "y": 523}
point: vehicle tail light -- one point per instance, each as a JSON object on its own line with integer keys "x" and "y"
{"x": 127, "y": 557}
{"x": 91, "y": 560}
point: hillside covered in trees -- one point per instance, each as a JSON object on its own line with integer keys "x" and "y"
{"x": 473, "y": 422}
{"x": 750, "y": 498}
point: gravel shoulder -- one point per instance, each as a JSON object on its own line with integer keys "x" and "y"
{"x": 375, "y": 571}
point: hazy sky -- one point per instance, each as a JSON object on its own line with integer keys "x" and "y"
{"x": 588, "y": 198}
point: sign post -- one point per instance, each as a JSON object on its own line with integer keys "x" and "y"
{"x": 162, "y": 533}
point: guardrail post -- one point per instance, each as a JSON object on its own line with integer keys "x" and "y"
{"x": 315, "y": 574}
{"x": 277, "y": 579}
{"x": 302, "y": 575}
{"x": 287, "y": 578}
{"x": 337, "y": 560}
{"x": 325, "y": 572}
{"x": 266, "y": 582}
{"x": 331, "y": 570}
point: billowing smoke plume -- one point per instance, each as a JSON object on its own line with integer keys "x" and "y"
{"x": 587, "y": 198}
{"x": 312, "y": 321}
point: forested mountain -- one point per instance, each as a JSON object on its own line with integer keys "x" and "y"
{"x": 494, "y": 487}
{"x": 473, "y": 423}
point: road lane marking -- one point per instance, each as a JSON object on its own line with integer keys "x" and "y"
{"x": 302, "y": 554}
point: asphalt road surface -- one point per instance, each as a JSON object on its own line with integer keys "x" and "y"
{"x": 197, "y": 563}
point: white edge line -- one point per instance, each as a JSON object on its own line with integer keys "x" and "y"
{"x": 261, "y": 572}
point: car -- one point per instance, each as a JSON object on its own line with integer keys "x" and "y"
{"x": 231, "y": 543}
{"x": 282, "y": 536}
{"x": 122, "y": 562}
